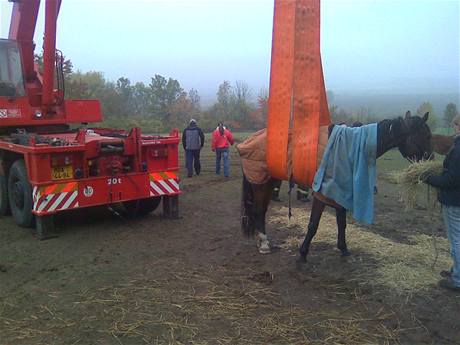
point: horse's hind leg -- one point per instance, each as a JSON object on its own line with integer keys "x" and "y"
{"x": 341, "y": 218}
{"x": 262, "y": 240}
{"x": 264, "y": 197}
{"x": 247, "y": 205}
{"x": 315, "y": 216}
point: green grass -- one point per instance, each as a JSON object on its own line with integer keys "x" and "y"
{"x": 391, "y": 161}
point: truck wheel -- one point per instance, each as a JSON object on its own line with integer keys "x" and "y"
{"x": 20, "y": 194}
{"x": 141, "y": 207}
{"x": 4, "y": 207}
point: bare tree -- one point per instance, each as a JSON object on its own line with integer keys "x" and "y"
{"x": 241, "y": 92}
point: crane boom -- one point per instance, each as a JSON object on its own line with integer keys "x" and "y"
{"x": 22, "y": 28}
{"x": 49, "y": 51}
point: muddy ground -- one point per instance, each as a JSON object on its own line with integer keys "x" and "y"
{"x": 196, "y": 280}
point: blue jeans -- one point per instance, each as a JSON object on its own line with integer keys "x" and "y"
{"x": 219, "y": 154}
{"x": 452, "y": 223}
{"x": 192, "y": 160}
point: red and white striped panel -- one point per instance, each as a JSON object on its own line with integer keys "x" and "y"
{"x": 55, "y": 198}
{"x": 163, "y": 184}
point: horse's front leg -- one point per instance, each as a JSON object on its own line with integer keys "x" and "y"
{"x": 341, "y": 218}
{"x": 315, "y": 216}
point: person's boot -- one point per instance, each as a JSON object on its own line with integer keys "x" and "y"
{"x": 446, "y": 274}
{"x": 449, "y": 284}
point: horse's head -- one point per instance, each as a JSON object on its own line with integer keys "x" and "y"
{"x": 416, "y": 143}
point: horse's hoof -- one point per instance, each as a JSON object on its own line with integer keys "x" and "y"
{"x": 345, "y": 253}
{"x": 301, "y": 260}
{"x": 265, "y": 250}
{"x": 263, "y": 244}
{"x": 300, "y": 263}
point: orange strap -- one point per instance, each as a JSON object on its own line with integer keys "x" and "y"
{"x": 297, "y": 102}
{"x": 280, "y": 100}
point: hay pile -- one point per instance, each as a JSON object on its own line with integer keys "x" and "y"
{"x": 412, "y": 181}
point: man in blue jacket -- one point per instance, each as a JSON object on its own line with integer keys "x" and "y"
{"x": 449, "y": 196}
{"x": 192, "y": 141}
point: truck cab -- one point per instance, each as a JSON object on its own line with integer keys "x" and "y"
{"x": 11, "y": 74}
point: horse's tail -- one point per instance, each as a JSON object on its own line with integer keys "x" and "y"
{"x": 247, "y": 205}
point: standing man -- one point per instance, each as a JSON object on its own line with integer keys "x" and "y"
{"x": 192, "y": 141}
{"x": 222, "y": 138}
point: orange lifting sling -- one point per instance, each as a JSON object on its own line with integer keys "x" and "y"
{"x": 297, "y": 105}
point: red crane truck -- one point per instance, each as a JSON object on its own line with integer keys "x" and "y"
{"x": 47, "y": 167}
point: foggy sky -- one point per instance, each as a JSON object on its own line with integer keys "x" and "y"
{"x": 400, "y": 46}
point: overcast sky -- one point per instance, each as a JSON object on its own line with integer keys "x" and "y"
{"x": 367, "y": 45}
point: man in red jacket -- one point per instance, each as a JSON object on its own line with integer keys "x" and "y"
{"x": 222, "y": 138}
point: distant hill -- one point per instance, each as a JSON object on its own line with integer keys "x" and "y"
{"x": 383, "y": 105}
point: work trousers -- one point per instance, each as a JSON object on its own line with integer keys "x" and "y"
{"x": 192, "y": 160}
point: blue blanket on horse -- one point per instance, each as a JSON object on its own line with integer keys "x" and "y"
{"x": 347, "y": 171}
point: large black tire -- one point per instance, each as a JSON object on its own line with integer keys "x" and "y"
{"x": 141, "y": 207}
{"x": 20, "y": 195}
{"x": 4, "y": 206}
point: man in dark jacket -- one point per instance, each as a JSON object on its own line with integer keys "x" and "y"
{"x": 192, "y": 141}
{"x": 449, "y": 196}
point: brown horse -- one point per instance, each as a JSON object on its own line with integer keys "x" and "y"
{"x": 410, "y": 135}
{"x": 442, "y": 143}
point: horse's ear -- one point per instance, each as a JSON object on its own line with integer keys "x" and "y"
{"x": 425, "y": 117}
{"x": 408, "y": 114}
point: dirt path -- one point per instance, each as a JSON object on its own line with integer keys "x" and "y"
{"x": 196, "y": 280}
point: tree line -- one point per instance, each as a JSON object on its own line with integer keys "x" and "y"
{"x": 163, "y": 104}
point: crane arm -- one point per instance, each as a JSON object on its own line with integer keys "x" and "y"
{"x": 22, "y": 29}
{"x": 49, "y": 51}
